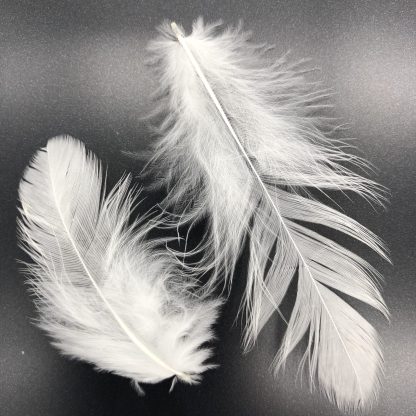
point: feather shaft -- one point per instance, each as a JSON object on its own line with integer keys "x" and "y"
{"x": 115, "y": 315}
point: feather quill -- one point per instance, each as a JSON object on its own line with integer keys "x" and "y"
{"x": 105, "y": 294}
{"x": 242, "y": 147}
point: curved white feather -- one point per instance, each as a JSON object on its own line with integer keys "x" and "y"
{"x": 240, "y": 144}
{"x": 106, "y": 295}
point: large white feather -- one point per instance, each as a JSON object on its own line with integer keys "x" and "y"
{"x": 241, "y": 146}
{"x": 104, "y": 294}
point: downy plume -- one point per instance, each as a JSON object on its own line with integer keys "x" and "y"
{"x": 242, "y": 147}
{"x": 104, "y": 293}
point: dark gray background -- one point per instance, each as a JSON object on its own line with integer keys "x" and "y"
{"x": 77, "y": 67}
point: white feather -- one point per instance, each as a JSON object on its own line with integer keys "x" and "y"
{"x": 241, "y": 146}
{"x": 105, "y": 295}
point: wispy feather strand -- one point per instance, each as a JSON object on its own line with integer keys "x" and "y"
{"x": 241, "y": 146}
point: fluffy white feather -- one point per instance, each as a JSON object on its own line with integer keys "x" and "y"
{"x": 105, "y": 294}
{"x": 241, "y": 146}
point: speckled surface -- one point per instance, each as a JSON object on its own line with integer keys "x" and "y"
{"x": 77, "y": 67}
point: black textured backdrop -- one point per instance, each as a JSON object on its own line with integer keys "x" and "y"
{"x": 77, "y": 67}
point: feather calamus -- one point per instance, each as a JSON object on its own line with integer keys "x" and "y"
{"x": 242, "y": 147}
{"x": 105, "y": 294}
